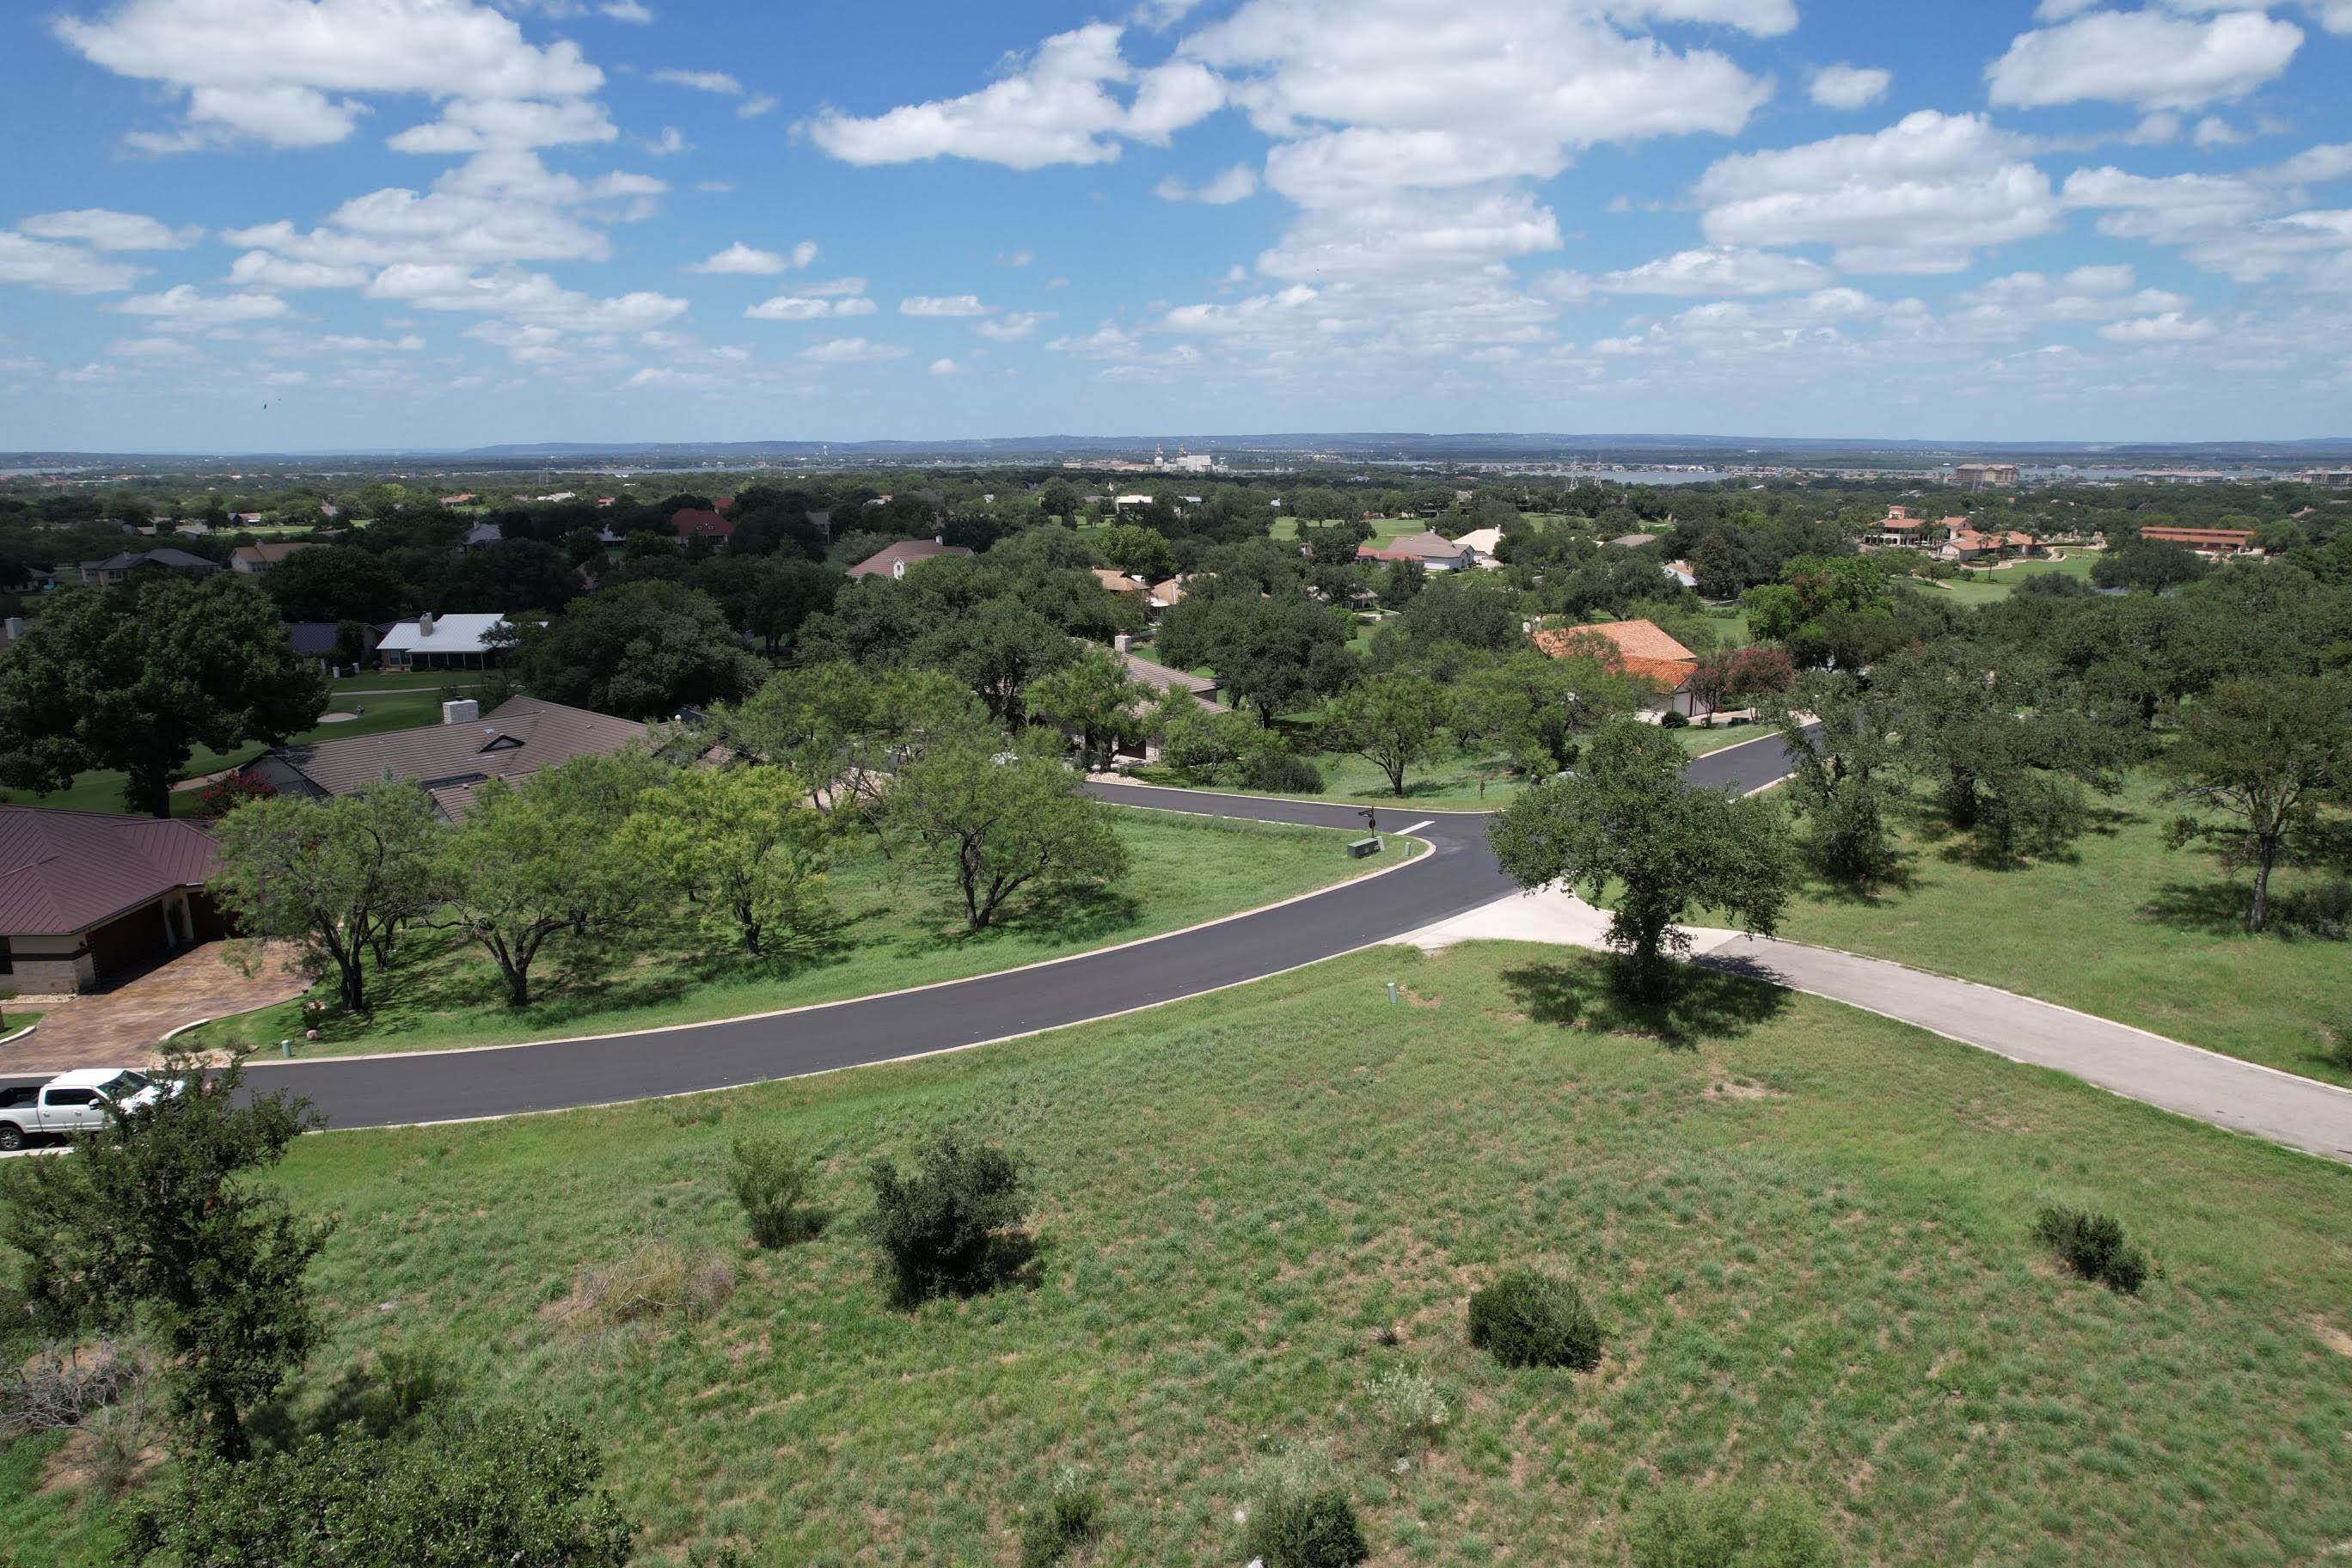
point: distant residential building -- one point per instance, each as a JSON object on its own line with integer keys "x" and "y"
{"x": 1482, "y": 544}
{"x": 1120, "y": 582}
{"x": 893, "y": 561}
{"x": 118, "y": 568}
{"x": 1433, "y": 551}
{"x": 1642, "y": 647}
{"x": 1974, "y": 544}
{"x": 2183, "y": 476}
{"x": 453, "y": 758}
{"x": 321, "y": 641}
{"x": 1168, "y": 595}
{"x": 1985, "y": 476}
{"x": 253, "y": 559}
{"x": 482, "y": 535}
{"x": 1635, "y": 541}
{"x": 2212, "y": 542}
{"x": 1121, "y": 505}
{"x": 691, "y": 523}
{"x": 462, "y": 497}
{"x": 444, "y": 642}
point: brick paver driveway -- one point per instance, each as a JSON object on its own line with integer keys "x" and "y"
{"x": 120, "y": 1027}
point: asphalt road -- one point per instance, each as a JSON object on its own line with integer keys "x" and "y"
{"x": 1458, "y": 874}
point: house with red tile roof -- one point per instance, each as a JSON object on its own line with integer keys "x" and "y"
{"x": 1639, "y": 647}
{"x": 85, "y": 897}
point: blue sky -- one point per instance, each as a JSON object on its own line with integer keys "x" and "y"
{"x": 240, "y": 224}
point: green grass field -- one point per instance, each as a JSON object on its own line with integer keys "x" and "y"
{"x": 433, "y": 680}
{"x": 1992, "y": 586}
{"x": 890, "y": 926}
{"x": 2122, "y": 927}
{"x": 1806, "y": 1230}
{"x": 103, "y": 790}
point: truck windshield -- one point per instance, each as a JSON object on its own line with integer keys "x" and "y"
{"x": 123, "y": 1085}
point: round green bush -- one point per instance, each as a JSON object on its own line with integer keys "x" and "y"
{"x": 1280, "y": 773}
{"x": 1724, "y": 1527}
{"x": 1528, "y": 1319}
{"x": 1316, "y": 1529}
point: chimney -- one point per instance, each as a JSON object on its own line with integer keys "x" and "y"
{"x": 15, "y": 627}
{"x": 460, "y": 711}
{"x": 940, "y": 539}
{"x": 424, "y": 625}
{"x": 1121, "y": 643}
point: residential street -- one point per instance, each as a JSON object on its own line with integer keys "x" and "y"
{"x": 1454, "y": 893}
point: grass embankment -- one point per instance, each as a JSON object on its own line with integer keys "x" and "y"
{"x": 2119, "y": 926}
{"x": 370, "y": 715}
{"x": 1806, "y": 1230}
{"x": 890, "y": 926}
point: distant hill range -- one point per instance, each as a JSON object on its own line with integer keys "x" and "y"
{"x": 1386, "y": 446}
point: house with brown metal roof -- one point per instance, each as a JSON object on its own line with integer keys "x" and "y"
{"x": 454, "y": 758}
{"x": 85, "y": 897}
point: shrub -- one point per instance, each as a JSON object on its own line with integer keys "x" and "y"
{"x": 1721, "y": 1526}
{"x": 954, "y": 1226}
{"x": 465, "y": 1489}
{"x": 2339, "y": 1047}
{"x": 223, "y": 795}
{"x": 1673, "y": 720}
{"x": 772, "y": 1178}
{"x": 1300, "y": 1514}
{"x": 1068, "y": 1521}
{"x": 1407, "y": 1409}
{"x": 659, "y": 1280}
{"x": 1527, "y": 1319}
{"x": 1277, "y": 771}
{"x": 2093, "y": 1245}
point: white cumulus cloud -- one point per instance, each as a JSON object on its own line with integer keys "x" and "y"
{"x": 2145, "y": 57}
{"x": 1850, "y": 86}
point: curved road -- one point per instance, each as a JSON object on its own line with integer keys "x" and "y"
{"x": 1459, "y": 874}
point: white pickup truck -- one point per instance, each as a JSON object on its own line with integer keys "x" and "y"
{"x": 71, "y": 1102}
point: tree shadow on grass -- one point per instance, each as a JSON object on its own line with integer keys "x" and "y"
{"x": 1974, "y": 848}
{"x": 2308, "y": 913}
{"x": 1899, "y": 880}
{"x": 1708, "y": 1002}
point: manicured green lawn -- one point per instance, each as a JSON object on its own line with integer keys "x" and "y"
{"x": 103, "y": 790}
{"x": 2123, "y": 927}
{"x": 408, "y": 680}
{"x": 1805, "y": 1229}
{"x": 1991, "y": 586}
{"x": 1698, "y": 741}
{"x": 890, "y": 926}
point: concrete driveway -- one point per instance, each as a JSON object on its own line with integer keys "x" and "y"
{"x": 121, "y": 1028}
